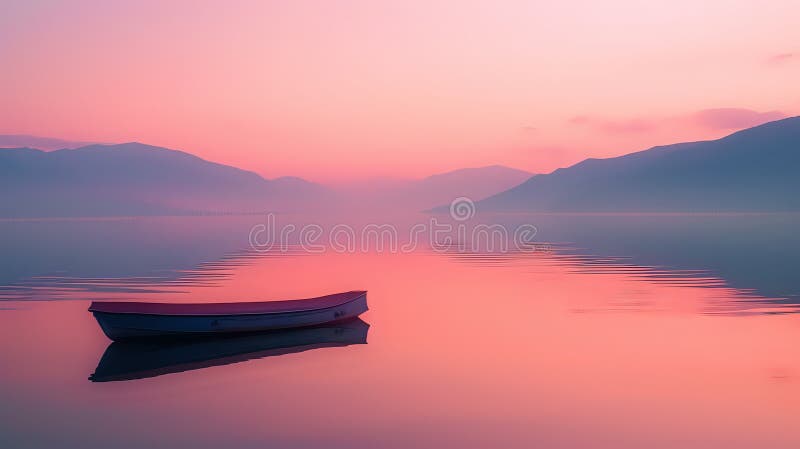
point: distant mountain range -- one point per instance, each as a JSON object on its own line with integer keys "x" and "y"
{"x": 757, "y": 169}
{"x": 474, "y": 183}
{"x": 754, "y": 170}
{"x": 42, "y": 143}
{"x": 137, "y": 179}
{"x": 422, "y": 194}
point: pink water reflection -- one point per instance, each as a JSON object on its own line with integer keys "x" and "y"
{"x": 531, "y": 352}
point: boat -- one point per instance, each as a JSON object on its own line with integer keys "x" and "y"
{"x": 152, "y": 357}
{"x": 130, "y": 320}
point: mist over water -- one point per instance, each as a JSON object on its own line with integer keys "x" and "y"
{"x": 58, "y": 259}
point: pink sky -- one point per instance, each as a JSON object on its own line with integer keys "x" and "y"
{"x": 335, "y": 90}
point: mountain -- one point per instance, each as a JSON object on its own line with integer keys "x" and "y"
{"x": 136, "y": 179}
{"x": 752, "y": 170}
{"x": 473, "y": 183}
{"x": 41, "y": 143}
{"x": 421, "y": 194}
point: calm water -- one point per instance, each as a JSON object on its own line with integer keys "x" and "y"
{"x": 614, "y": 332}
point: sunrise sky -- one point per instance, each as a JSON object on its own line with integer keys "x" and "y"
{"x": 338, "y": 90}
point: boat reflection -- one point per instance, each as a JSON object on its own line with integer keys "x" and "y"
{"x": 155, "y": 357}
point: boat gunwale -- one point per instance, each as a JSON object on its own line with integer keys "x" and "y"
{"x": 362, "y": 293}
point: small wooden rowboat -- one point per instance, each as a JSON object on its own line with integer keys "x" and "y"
{"x": 128, "y": 320}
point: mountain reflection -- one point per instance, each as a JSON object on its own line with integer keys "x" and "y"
{"x": 156, "y": 357}
{"x": 753, "y": 254}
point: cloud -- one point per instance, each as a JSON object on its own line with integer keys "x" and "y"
{"x": 780, "y": 59}
{"x": 628, "y": 126}
{"x": 580, "y": 120}
{"x": 734, "y": 118}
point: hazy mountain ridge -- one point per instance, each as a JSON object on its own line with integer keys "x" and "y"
{"x": 751, "y": 170}
{"x": 139, "y": 179}
{"x": 419, "y": 194}
{"x": 136, "y": 179}
{"x": 476, "y": 183}
{"x": 754, "y": 170}
{"x": 41, "y": 143}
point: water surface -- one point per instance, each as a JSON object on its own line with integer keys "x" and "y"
{"x": 616, "y": 332}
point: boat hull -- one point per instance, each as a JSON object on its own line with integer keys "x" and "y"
{"x": 125, "y": 326}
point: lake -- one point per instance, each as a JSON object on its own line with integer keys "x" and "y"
{"x": 601, "y": 331}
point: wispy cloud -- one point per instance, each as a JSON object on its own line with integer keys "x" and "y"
{"x": 781, "y": 59}
{"x": 734, "y": 118}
